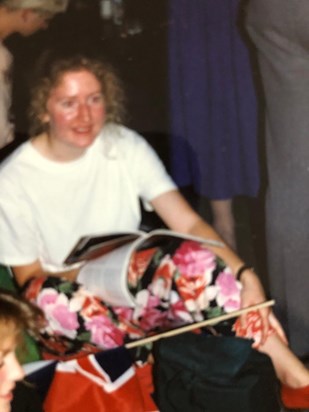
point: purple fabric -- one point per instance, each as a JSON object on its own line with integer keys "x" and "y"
{"x": 212, "y": 100}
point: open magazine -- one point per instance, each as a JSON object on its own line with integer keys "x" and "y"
{"x": 106, "y": 259}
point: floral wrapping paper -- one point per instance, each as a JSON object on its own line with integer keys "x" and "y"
{"x": 172, "y": 286}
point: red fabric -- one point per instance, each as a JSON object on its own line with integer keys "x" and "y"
{"x": 71, "y": 390}
{"x": 144, "y": 375}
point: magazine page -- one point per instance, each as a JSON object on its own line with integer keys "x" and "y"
{"x": 158, "y": 234}
{"x": 91, "y": 247}
{"x": 106, "y": 276}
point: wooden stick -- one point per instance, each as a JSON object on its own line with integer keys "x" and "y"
{"x": 197, "y": 325}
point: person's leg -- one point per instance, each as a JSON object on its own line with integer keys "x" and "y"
{"x": 223, "y": 220}
{"x": 291, "y": 372}
{"x": 280, "y": 30}
{"x": 289, "y": 369}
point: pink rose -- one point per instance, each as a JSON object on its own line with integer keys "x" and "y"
{"x": 152, "y": 317}
{"x": 193, "y": 260}
{"x": 145, "y": 299}
{"x": 178, "y": 311}
{"x": 228, "y": 295}
{"x": 104, "y": 333}
{"x": 47, "y": 297}
{"x": 123, "y": 312}
{"x": 147, "y": 313}
{"x": 66, "y": 319}
{"x": 231, "y": 304}
{"x": 61, "y": 319}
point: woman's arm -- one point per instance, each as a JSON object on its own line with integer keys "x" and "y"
{"x": 178, "y": 215}
{"x": 24, "y": 273}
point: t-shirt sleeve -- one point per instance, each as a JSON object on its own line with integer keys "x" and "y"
{"x": 148, "y": 170}
{"x": 18, "y": 240}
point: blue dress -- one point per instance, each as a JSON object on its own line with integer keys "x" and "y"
{"x": 213, "y": 115}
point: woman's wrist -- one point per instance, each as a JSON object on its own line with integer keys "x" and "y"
{"x": 241, "y": 270}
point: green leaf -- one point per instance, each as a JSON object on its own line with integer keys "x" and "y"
{"x": 84, "y": 337}
{"x": 214, "y": 312}
{"x": 65, "y": 287}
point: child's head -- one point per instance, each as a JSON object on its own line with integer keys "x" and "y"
{"x": 16, "y": 316}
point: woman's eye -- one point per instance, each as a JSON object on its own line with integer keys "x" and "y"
{"x": 96, "y": 99}
{"x": 67, "y": 104}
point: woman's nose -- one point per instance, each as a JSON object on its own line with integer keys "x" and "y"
{"x": 84, "y": 112}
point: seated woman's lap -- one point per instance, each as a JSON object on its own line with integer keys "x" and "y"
{"x": 170, "y": 290}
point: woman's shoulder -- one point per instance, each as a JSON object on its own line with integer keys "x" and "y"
{"x": 120, "y": 139}
{"x": 11, "y": 164}
{"x": 12, "y": 175}
{"x": 121, "y": 133}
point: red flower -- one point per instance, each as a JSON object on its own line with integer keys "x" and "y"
{"x": 34, "y": 288}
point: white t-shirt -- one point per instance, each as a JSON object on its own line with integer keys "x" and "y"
{"x": 6, "y": 128}
{"x": 45, "y": 206}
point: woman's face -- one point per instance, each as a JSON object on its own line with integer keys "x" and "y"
{"x": 10, "y": 372}
{"x": 75, "y": 112}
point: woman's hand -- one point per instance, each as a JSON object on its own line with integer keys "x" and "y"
{"x": 252, "y": 294}
{"x": 35, "y": 270}
{"x": 275, "y": 324}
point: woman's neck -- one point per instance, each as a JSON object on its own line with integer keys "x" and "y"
{"x": 55, "y": 151}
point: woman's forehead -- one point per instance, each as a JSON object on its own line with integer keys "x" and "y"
{"x": 75, "y": 79}
{"x": 77, "y": 73}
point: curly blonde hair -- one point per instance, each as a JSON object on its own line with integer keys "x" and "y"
{"x": 111, "y": 88}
